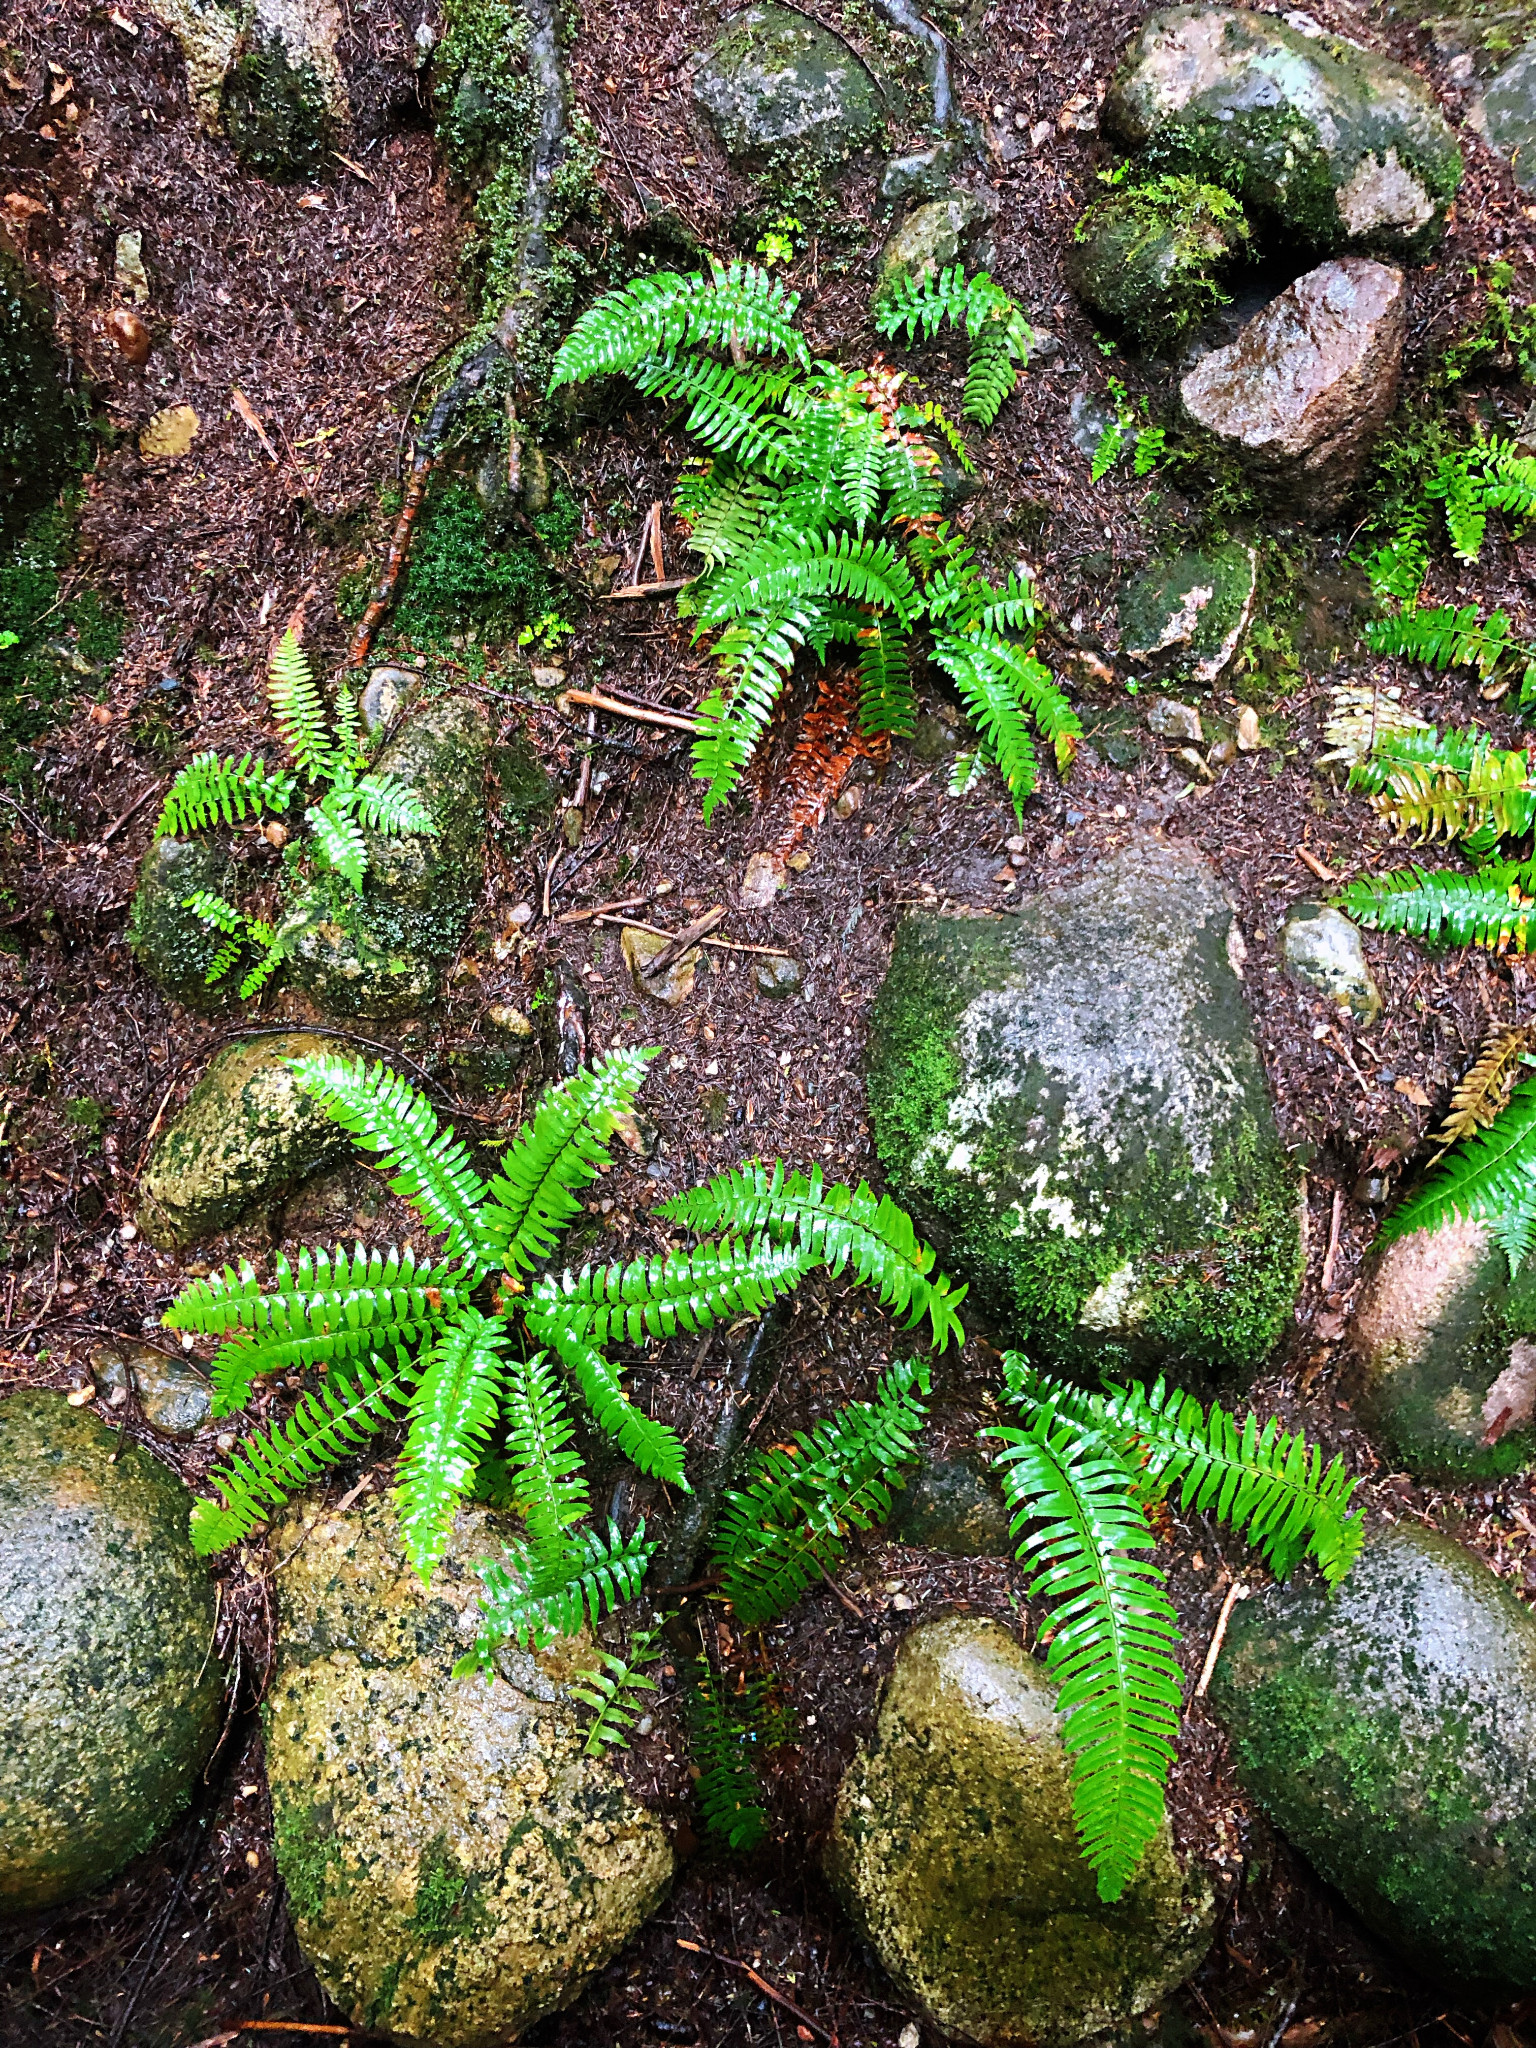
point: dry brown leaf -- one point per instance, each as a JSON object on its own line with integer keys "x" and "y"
{"x": 169, "y": 434}
{"x": 1412, "y": 1091}
{"x": 247, "y": 412}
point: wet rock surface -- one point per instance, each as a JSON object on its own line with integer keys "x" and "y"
{"x": 482, "y": 1869}
{"x": 1505, "y": 115}
{"x": 109, "y": 1696}
{"x": 1389, "y": 1730}
{"x": 174, "y": 1397}
{"x": 1074, "y": 1103}
{"x": 777, "y": 82}
{"x": 1445, "y": 1362}
{"x": 247, "y": 1133}
{"x": 1338, "y": 146}
{"x": 1302, "y": 392}
{"x": 172, "y": 944}
{"x": 954, "y": 1504}
{"x": 928, "y": 240}
{"x": 1323, "y": 950}
{"x": 1188, "y": 615}
{"x": 953, "y": 1850}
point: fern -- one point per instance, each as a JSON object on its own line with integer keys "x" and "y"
{"x": 654, "y": 316}
{"x": 388, "y": 807}
{"x": 658, "y": 1297}
{"x": 644, "y": 1441}
{"x": 834, "y": 1226}
{"x": 1000, "y": 339}
{"x": 533, "y": 1601}
{"x": 1487, "y": 1179}
{"x": 298, "y": 709}
{"x": 1359, "y": 720}
{"x": 213, "y": 791}
{"x": 1491, "y": 909}
{"x": 609, "y": 1690}
{"x": 453, "y": 1411}
{"x": 1484, "y": 1089}
{"x": 787, "y": 1526}
{"x": 1453, "y": 636}
{"x": 729, "y": 1795}
{"x": 339, "y": 839}
{"x": 1113, "y": 1631}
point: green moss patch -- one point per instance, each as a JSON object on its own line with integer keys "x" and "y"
{"x": 1149, "y": 253}
{"x": 49, "y": 650}
{"x": 275, "y": 113}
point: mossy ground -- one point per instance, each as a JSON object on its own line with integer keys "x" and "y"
{"x": 59, "y": 647}
{"x": 275, "y": 113}
{"x": 464, "y": 577}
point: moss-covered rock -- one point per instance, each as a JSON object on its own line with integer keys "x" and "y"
{"x": 952, "y": 1503}
{"x": 1072, "y": 1101}
{"x": 38, "y": 427}
{"x": 109, "y": 1696}
{"x": 928, "y": 240}
{"x": 247, "y": 1133}
{"x": 777, "y": 85}
{"x": 1337, "y": 146}
{"x": 1442, "y": 1341}
{"x": 1150, "y": 254}
{"x": 953, "y": 1849}
{"x": 1389, "y": 1730}
{"x": 171, "y": 943}
{"x": 382, "y": 954}
{"x": 455, "y": 1866}
{"x": 1188, "y": 615}
{"x": 275, "y": 111}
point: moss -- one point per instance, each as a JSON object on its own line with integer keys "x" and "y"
{"x": 39, "y": 421}
{"x": 460, "y": 577}
{"x": 59, "y": 646}
{"x": 275, "y": 113}
{"x": 1146, "y": 254}
{"x": 300, "y": 1843}
{"x": 446, "y": 1901}
{"x": 483, "y": 52}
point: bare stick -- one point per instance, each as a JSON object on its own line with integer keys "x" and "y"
{"x": 601, "y": 909}
{"x": 117, "y": 824}
{"x": 1333, "y": 1241}
{"x": 690, "y": 935}
{"x": 727, "y": 945}
{"x": 734, "y": 1963}
{"x": 663, "y": 587}
{"x": 399, "y": 547}
{"x": 640, "y": 713}
{"x": 1235, "y": 1592}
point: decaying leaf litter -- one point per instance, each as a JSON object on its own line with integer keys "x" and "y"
{"x": 325, "y": 319}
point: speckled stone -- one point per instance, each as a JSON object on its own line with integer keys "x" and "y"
{"x": 775, "y": 83}
{"x": 248, "y": 1132}
{"x": 953, "y": 1849}
{"x": 171, "y": 943}
{"x": 455, "y": 1866}
{"x": 1389, "y": 1731}
{"x": 109, "y": 1698}
{"x": 1323, "y": 950}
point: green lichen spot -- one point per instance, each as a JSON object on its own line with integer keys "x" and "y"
{"x": 300, "y": 1836}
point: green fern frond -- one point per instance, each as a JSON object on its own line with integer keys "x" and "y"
{"x": 989, "y": 689}
{"x": 667, "y": 313}
{"x": 548, "y": 1484}
{"x": 1492, "y": 908}
{"x": 533, "y": 1602}
{"x": 223, "y": 960}
{"x": 754, "y": 656}
{"x": 1113, "y": 1632}
{"x": 387, "y": 807}
{"x": 990, "y": 374}
{"x": 729, "y": 1795}
{"x": 212, "y": 791}
{"x": 274, "y": 951}
{"x": 966, "y": 771}
{"x": 835, "y": 1226}
{"x": 734, "y": 411}
{"x": 887, "y": 700}
{"x": 644, "y": 1441}
{"x": 339, "y": 838}
{"x": 328, "y": 1425}
{"x": 690, "y": 1291}
{"x": 453, "y": 1409}
{"x": 780, "y": 571}
{"x": 215, "y": 911}
{"x": 1452, "y": 636}
{"x": 299, "y": 710}
{"x": 725, "y": 510}
{"x": 383, "y": 1113}
{"x": 1488, "y": 1179}
{"x": 610, "y": 1689}
{"x": 555, "y": 1154}
{"x": 787, "y": 1525}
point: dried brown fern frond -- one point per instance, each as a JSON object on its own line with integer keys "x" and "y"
{"x": 824, "y": 755}
{"x": 1358, "y": 718}
{"x": 1485, "y": 1088}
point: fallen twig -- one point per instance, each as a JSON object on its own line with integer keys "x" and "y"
{"x": 662, "y": 587}
{"x": 645, "y": 715}
{"x": 1333, "y": 1241}
{"x": 690, "y": 935}
{"x": 1235, "y": 1592}
{"x": 399, "y": 547}
{"x": 769, "y": 1991}
{"x": 601, "y": 910}
{"x": 728, "y": 945}
{"x": 117, "y": 824}
{"x": 1310, "y": 860}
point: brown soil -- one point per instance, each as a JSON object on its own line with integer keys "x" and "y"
{"x": 325, "y": 308}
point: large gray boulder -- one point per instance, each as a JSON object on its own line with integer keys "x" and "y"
{"x": 1389, "y": 1730}
{"x": 456, "y": 1867}
{"x": 1072, "y": 1101}
{"x": 383, "y": 954}
{"x": 1301, "y": 394}
{"x": 1340, "y": 148}
{"x": 776, "y": 85}
{"x": 109, "y": 1690}
{"x": 1505, "y": 115}
{"x": 247, "y": 1133}
{"x": 953, "y": 1850}
{"x": 1444, "y": 1357}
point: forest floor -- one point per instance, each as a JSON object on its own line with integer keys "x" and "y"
{"x": 324, "y": 308}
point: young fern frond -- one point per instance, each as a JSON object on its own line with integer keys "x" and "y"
{"x": 453, "y": 1410}
{"x": 1488, "y": 1179}
{"x": 729, "y": 1794}
{"x": 548, "y": 1485}
{"x": 534, "y": 1601}
{"x": 274, "y": 951}
{"x": 887, "y": 701}
{"x": 299, "y": 710}
{"x": 216, "y": 911}
{"x": 787, "y": 1525}
{"x": 1114, "y": 1633}
{"x": 555, "y": 1154}
{"x": 214, "y": 791}
{"x": 610, "y": 1688}
{"x": 339, "y": 838}
{"x": 1484, "y": 1090}
{"x": 384, "y": 1114}
{"x": 989, "y": 692}
{"x": 990, "y": 374}
{"x": 655, "y": 316}
{"x": 835, "y": 1226}
{"x": 1491, "y": 909}
{"x": 387, "y": 807}
{"x": 328, "y": 1425}
{"x": 644, "y": 1441}
{"x": 690, "y": 1291}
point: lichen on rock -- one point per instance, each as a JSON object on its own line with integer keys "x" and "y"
{"x": 457, "y": 1868}
{"x": 1188, "y": 615}
{"x": 173, "y": 945}
{"x": 109, "y": 1690}
{"x": 1073, "y": 1103}
{"x": 1149, "y": 254}
{"x": 928, "y": 240}
{"x": 953, "y": 1850}
{"x": 776, "y": 83}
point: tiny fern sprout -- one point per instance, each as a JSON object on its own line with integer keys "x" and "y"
{"x": 1079, "y": 1470}
{"x": 213, "y": 791}
{"x": 817, "y": 513}
{"x": 477, "y": 1348}
{"x": 610, "y": 1689}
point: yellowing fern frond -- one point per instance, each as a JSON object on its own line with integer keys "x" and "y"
{"x": 1486, "y": 1086}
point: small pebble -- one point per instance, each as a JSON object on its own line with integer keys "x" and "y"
{"x": 520, "y": 914}
{"x": 902, "y": 1603}
{"x": 78, "y": 1396}
{"x": 128, "y": 1232}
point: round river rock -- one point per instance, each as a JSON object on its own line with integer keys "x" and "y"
{"x": 109, "y": 1693}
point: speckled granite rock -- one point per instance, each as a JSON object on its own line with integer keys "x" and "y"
{"x": 1322, "y": 949}
{"x": 776, "y": 85}
{"x": 248, "y": 1131}
{"x": 952, "y": 1848}
{"x": 456, "y": 1867}
{"x": 109, "y": 1697}
{"x": 1389, "y": 1730}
